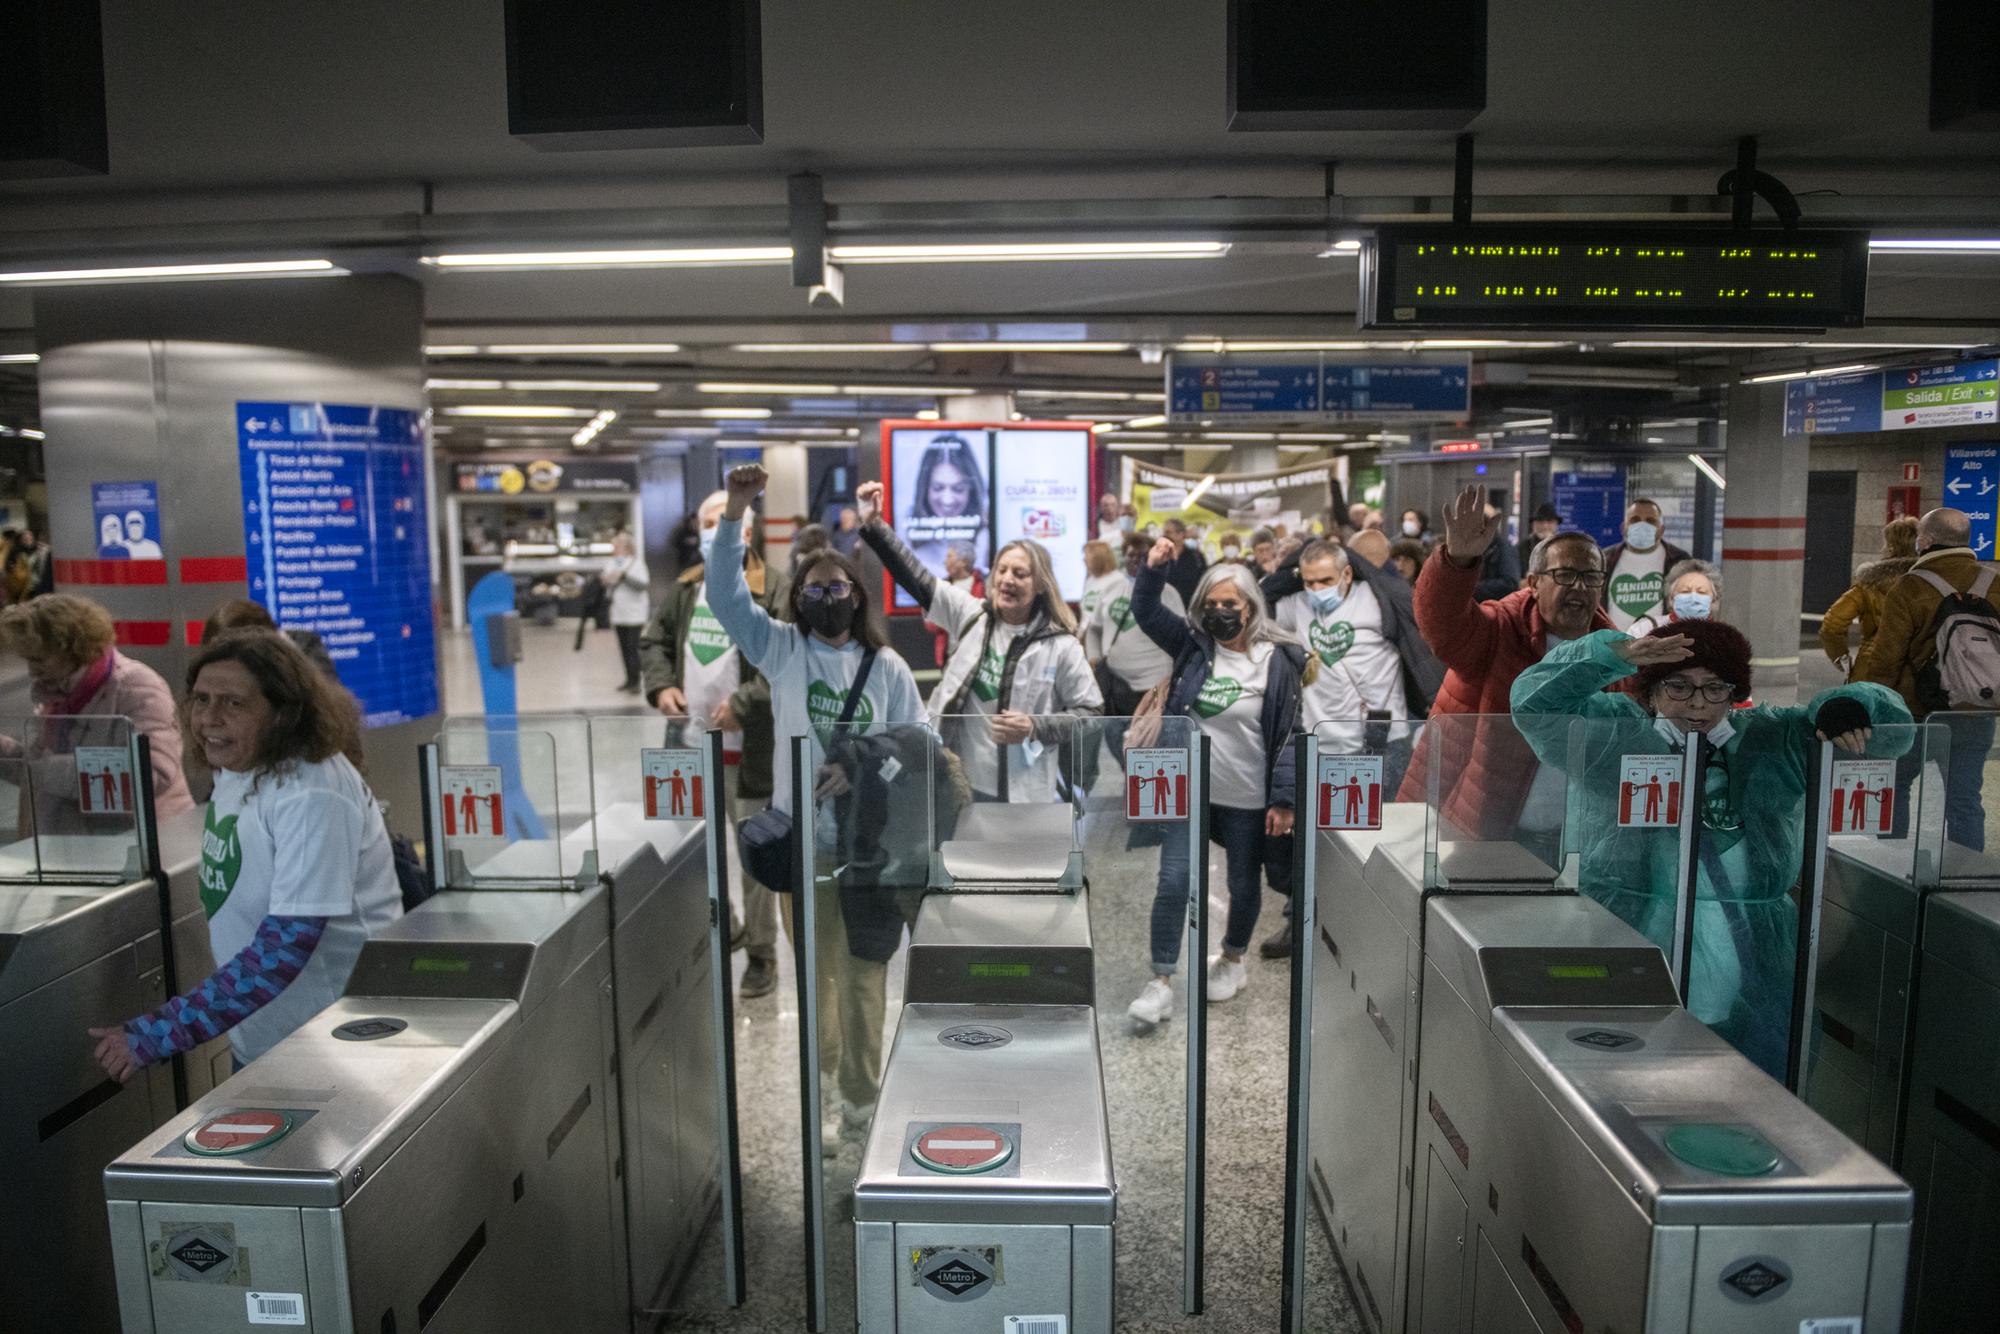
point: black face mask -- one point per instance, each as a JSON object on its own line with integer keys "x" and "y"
{"x": 830, "y": 617}
{"x": 1222, "y": 623}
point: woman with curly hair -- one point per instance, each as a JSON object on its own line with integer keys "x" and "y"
{"x": 296, "y": 868}
{"x": 80, "y": 683}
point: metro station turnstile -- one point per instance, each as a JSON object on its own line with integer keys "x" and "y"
{"x": 99, "y": 918}
{"x": 1505, "y": 1121}
{"x": 519, "y": 1116}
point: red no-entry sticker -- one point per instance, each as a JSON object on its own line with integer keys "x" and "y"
{"x": 962, "y": 1149}
{"x": 238, "y": 1132}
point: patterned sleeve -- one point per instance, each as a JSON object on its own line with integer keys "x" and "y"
{"x": 231, "y": 994}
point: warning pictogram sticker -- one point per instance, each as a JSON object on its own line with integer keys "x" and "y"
{"x": 239, "y": 1131}
{"x": 675, "y": 785}
{"x": 104, "y": 780}
{"x": 1649, "y": 791}
{"x": 1864, "y": 797}
{"x": 1349, "y": 793}
{"x": 473, "y": 807}
{"x": 1156, "y": 784}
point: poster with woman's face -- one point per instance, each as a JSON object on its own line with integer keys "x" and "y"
{"x": 941, "y": 495}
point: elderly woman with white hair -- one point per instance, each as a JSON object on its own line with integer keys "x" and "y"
{"x": 1242, "y": 678}
{"x": 1693, "y": 589}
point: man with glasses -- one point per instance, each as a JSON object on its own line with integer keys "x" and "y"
{"x": 693, "y": 669}
{"x": 1491, "y": 785}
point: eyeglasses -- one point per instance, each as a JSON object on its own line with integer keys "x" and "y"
{"x": 1715, "y": 692}
{"x": 836, "y": 590}
{"x": 1569, "y": 578}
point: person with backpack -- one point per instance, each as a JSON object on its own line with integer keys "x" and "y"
{"x": 1937, "y": 642}
{"x": 1017, "y": 674}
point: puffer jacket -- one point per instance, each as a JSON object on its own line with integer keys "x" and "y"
{"x": 1485, "y": 645}
{"x": 1862, "y": 603}
{"x": 1194, "y": 658}
{"x": 1904, "y": 642}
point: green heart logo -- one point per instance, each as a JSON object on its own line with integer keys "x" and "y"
{"x": 1331, "y": 641}
{"x": 1636, "y": 594}
{"x": 986, "y": 681}
{"x": 707, "y": 640}
{"x": 824, "y": 703}
{"x": 1217, "y": 694}
{"x": 1121, "y": 613}
{"x": 221, "y": 861}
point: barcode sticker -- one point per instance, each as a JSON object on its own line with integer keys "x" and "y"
{"x": 276, "y": 1308}
{"x": 1037, "y": 1324}
{"x": 1831, "y": 1324}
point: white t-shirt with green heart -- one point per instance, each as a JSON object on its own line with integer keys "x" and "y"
{"x": 1230, "y": 709}
{"x": 1359, "y": 669}
{"x": 977, "y": 749}
{"x": 711, "y": 668}
{"x": 1636, "y": 582}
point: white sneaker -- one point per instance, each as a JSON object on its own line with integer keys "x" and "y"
{"x": 855, "y": 1121}
{"x": 831, "y": 1125}
{"x": 1226, "y": 977}
{"x": 1155, "y": 1004}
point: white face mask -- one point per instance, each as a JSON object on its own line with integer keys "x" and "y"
{"x": 1641, "y": 535}
{"x": 1411, "y": 529}
{"x": 1718, "y": 735}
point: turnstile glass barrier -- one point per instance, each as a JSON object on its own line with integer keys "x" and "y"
{"x": 1885, "y": 853}
{"x": 661, "y": 821}
{"x": 499, "y": 812}
{"x": 1399, "y": 813}
{"x": 1966, "y": 778}
{"x": 864, "y": 798}
{"x": 91, "y": 935}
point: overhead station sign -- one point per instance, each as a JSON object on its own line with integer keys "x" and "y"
{"x": 1958, "y": 393}
{"x": 1261, "y": 389}
{"x": 336, "y": 542}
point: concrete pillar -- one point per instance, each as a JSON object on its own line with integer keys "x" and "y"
{"x": 977, "y": 408}
{"x": 152, "y": 385}
{"x": 1253, "y": 458}
{"x": 1763, "y": 536}
{"x": 786, "y": 496}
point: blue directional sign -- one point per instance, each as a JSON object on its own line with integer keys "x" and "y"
{"x": 1959, "y": 393}
{"x": 1316, "y": 387}
{"x": 1834, "y": 406}
{"x": 1590, "y": 502}
{"x": 336, "y": 542}
{"x": 1972, "y": 484}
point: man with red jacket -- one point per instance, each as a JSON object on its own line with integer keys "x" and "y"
{"x": 1490, "y": 785}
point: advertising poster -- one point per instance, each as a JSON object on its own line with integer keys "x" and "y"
{"x": 1042, "y": 481}
{"x": 984, "y": 486}
{"x": 336, "y": 542}
{"x": 127, "y": 519}
{"x": 1232, "y": 506}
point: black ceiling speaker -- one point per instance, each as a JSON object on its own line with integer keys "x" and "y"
{"x": 635, "y": 73}
{"x": 52, "y": 100}
{"x": 1356, "y": 64}
{"x": 1965, "y": 66}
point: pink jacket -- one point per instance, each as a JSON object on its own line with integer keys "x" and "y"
{"x": 134, "y": 691}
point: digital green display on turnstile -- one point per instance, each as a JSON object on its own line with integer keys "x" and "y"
{"x": 1578, "y": 970}
{"x": 429, "y": 964}
{"x": 1002, "y": 970}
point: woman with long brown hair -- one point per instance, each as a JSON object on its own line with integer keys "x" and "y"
{"x": 296, "y": 869}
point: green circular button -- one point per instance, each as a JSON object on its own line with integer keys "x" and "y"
{"x": 1729, "y": 1151}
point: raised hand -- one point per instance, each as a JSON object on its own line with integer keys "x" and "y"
{"x": 744, "y": 485}
{"x": 1654, "y": 650}
{"x": 868, "y": 500}
{"x": 1467, "y": 529}
{"x": 1163, "y": 551}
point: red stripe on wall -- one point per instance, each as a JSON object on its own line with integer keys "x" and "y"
{"x": 111, "y": 572}
{"x": 1752, "y": 553}
{"x": 193, "y": 632}
{"x": 1728, "y": 522}
{"x": 143, "y": 634}
{"x": 214, "y": 569}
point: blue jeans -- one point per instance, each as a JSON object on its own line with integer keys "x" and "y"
{"x": 1964, "y": 812}
{"x": 1251, "y": 854}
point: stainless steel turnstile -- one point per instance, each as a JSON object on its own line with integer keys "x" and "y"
{"x": 82, "y": 946}
{"x": 1592, "y": 1157}
{"x": 1952, "y": 1151}
{"x": 434, "y": 1151}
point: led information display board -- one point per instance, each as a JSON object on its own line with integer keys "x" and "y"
{"x": 1512, "y": 277}
{"x": 980, "y": 486}
{"x": 335, "y": 536}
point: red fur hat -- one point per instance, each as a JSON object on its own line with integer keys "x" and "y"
{"x": 1717, "y": 646}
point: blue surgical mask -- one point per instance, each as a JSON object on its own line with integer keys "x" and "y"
{"x": 1325, "y": 600}
{"x": 1190, "y": 543}
{"x": 1642, "y": 535}
{"x": 1125, "y": 522}
{"x": 707, "y": 543}
{"x": 1693, "y": 606}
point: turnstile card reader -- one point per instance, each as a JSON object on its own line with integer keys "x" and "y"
{"x": 1002, "y": 949}
{"x": 986, "y": 1190}
{"x": 998, "y": 847}
{"x": 1593, "y": 1157}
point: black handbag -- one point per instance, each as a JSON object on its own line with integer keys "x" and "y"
{"x": 767, "y": 842}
